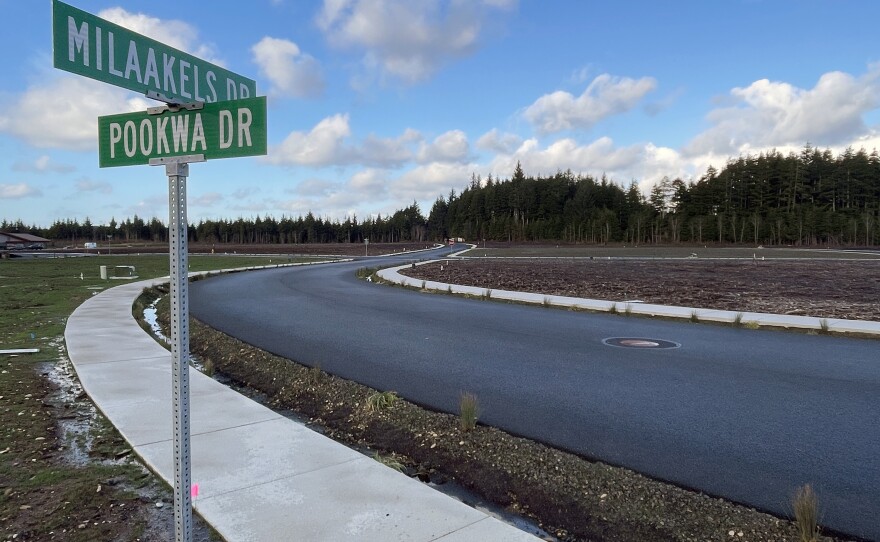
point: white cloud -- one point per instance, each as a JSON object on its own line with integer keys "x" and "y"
{"x": 63, "y": 114}
{"x": 605, "y": 96}
{"x": 87, "y": 185}
{"x": 290, "y": 71}
{"x": 503, "y": 143}
{"x": 313, "y": 188}
{"x": 18, "y": 191}
{"x": 645, "y": 163}
{"x": 426, "y": 182}
{"x": 43, "y": 164}
{"x": 599, "y": 156}
{"x": 776, "y": 114}
{"x": 451, "y": 146}
{"x": 327, "y": 144}
{"x": 152, "y": 206}
{"x": 208, "y": 199}
{"x": 322, "y": 146}
{"x": 407, "y": 39}
{"x": 245, "y": 192}
{"x": 177, "y": 34}
{"x": 387, "y": 152}
{"x": 365, "y": 192}
{"x": 372, "y": 183}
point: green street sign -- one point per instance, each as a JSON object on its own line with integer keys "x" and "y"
{"x": 93, "y": 47}
{"x": 217, "y": 130}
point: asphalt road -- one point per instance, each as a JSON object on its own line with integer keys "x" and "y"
{"x": 744, "y": 414}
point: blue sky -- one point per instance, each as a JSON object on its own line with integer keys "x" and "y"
{"x": 376, "y": 103}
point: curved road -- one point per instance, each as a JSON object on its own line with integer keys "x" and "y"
{"x": 747, "y": 415}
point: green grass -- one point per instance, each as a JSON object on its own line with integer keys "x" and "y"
{"x": 37, "y": 295}
{"x": 381, "y": 400}
{"x": 36, "y": 298}
{"x": 364, "y": 272}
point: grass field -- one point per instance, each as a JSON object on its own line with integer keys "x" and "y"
{"x": 37, "y": 295}
{"x": 61, "y": 476}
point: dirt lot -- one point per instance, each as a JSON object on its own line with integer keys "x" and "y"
{"x": 824, "y": 288}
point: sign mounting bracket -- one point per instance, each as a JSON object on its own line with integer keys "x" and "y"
{"x": 171, "y": 105}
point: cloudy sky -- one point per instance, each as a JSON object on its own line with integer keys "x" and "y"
{"x": 376, "y": 103}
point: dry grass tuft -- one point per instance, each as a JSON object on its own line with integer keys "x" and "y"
{"x": 469, "y": 408}
{"x": 806, "y": 513}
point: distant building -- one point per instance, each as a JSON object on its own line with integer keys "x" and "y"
{"x": 21, "y": 241}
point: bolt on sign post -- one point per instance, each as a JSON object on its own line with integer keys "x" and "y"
{"x": 211, "y": 113}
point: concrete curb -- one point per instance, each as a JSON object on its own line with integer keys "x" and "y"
{"x": 391, "y": 274}
{"x": 262, "y": 477}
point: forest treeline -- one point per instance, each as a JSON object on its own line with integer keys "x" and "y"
{"x": 810, "y": 198}
{"x": 807, "y": 199}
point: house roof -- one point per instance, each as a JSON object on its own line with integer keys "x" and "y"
{"x": 25, "y": 237}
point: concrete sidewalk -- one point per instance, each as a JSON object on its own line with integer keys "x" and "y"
{"x": 865, "y": 327}
{"x": 261, "y": 476}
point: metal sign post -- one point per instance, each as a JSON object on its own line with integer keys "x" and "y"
{"x": 177, "y": 169}
{"x": 209, "y": 110}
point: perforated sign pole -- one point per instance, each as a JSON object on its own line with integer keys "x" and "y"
{"x": 177, "y": 169}
{"x": 217, "y": 111}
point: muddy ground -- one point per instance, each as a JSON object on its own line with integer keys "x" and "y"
{"x": 821, "y": 288}
{"x": 65, "y": 473}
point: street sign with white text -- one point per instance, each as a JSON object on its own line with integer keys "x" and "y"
{"x": 217, "y": 130}
{"x": 93, "y": 47}
{"x": 211, "y": 113}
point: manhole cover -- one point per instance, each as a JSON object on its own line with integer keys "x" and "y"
{"x": 638, "y": 342}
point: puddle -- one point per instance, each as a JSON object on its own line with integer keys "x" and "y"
{"x": 152, "y": 320}
{"x": 76, "y": 415}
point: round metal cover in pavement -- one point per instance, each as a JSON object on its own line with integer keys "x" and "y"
{"x": 641, "y": 343}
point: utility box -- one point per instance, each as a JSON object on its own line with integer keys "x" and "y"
{"x": 103, "y": 269}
